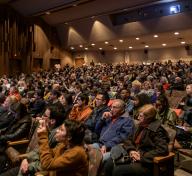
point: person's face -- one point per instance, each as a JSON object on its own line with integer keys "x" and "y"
{"x": 53, "y": 97}
{"x": 159, "y": 106}
{"x": 99, "y": 100}
{"x": 79, "y": 102}
{"x": 46, "y": 114}
{"x": 146, "y": 86}
{"x": 136, "y": 101}
{"x": 62, "y": 100}
{"x": 116, "y": 109}
{"x": 7, "y": 102}
{"x": 189, "y": 89}
{"x": 124, "y": 94}
{"x": 141, "y": 117}
{"x": 12, "y": 90}
{"x": 61, "y": 134}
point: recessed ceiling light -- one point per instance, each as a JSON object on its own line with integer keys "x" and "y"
{"x": 183, "y": 42}
{"x": 100, "y": 48}
{"x": 86, "y": 48}
{"x": 72, "y": 48}
{"x": 121, "y": 41}
{"x": 176, "y": 33}
{"x": 106, "y": 42}
{"x": 115, "y": 48}
{"x": 164, "y": 44}
{"x": 130, "y": 47}
{"x": 155, "y": 36}
{"x": 137, "y": 38}
{"x": 146, "y": 46}
{"x": 81, "y": 46}
{"x": 47, "y": 13}
{"x": 93, "y": 44}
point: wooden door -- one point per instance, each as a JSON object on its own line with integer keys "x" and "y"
{"x": 79, "y": 62}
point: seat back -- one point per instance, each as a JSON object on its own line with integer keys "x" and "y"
{"x": 172, "y": 135}
{"x": 95, "y": 158}
{"x": 164, "y": 165}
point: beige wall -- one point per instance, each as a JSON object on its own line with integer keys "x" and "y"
{"x": 100, "y": 29}
{"x": 135, "y": 56}
{"x": 43, "y": 49}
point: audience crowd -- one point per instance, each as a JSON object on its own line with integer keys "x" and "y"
{"x": 65, "y": 111}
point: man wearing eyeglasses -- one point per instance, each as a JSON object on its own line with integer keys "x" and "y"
{"x": 100, "y": 102}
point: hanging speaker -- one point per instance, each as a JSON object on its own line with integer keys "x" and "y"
{"x": 103, "y": 53}
{"x": 146, "y": 51}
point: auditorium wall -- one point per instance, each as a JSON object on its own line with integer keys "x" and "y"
{"x": 135, "y": 56}
{"x": 46, "y": 50}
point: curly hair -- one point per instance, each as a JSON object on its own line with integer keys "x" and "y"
{"x": 75, "y": 131}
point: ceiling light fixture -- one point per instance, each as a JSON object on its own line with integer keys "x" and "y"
{"x": 93, "y": 44}
{"x": 81, "y": 46}
{"x": 155, "y": 36}
{"x": 48, "y": 13}
{"x": 106, "y": 42}
{"x": 164, "y": 44}
{"x": 146, "y": 46}
{"x": 176, "y": 33}
{"x": 130, "y": 47}
{"x": 100, "y": 48}
{"x": 86, "y": 48}
{"x": 115, "y": 48}
{"x": 72, "y": 48}
{"x": 183, "y": 42}
{"x": 137, "y": 38}
{"x": 121, "y": 41}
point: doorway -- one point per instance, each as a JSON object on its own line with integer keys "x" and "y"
{"x": 79, "y": 62}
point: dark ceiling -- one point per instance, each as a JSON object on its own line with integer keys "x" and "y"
{"x": 61, "y": 11}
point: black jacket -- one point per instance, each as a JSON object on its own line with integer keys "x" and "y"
{"x": 17, "y": 130}
{"x": 154, "y": 142}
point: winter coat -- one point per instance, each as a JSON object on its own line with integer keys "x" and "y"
{"x": 61, "y": 161}
{"x": 115, "y": 132}
{"x": 154, "y": 142}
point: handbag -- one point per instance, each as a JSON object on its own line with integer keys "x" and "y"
{"x": 119, "y": 155}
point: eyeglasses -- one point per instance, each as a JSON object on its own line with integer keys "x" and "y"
{"x": 115, "y": 107}
{"x": 99, "y": 99}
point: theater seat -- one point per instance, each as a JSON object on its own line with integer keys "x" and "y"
{"x": 164, "y": 165}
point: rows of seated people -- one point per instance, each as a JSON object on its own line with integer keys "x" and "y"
{"x": 99, "y": 106}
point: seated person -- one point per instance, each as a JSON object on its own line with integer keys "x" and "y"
{"x": 38, "y": 105}
{"x": 186, "y": 102}
{"x": 81, "y": 111}
{"x": 165, "y": 114}
{"x": 125, "y": 95}
{"x": 150, "y": 140}
{"x": 139, "y": 100}
{"x": 31, "y": 163}
{"x": 69, "y": 157}
{"x": 113, "y": 128}
{"x": 101, "y": 102}
{"x": 18, "y": 128}
{"x": 6, "y": 114}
